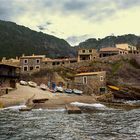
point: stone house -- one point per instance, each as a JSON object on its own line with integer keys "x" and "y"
{"x": 47, "y": 62}
{"x": 87, "y": 54}
{"x": 130, "y": 48}
{"x": 9, "y": 75}
{"x": 109, "y": 51}
{"x": 96, "y": 81}
{"x": 30, "y": 64}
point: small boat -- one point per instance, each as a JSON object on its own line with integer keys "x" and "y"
{"x": 78, "y": 92}
{"x": 113, "y": 87}
{"x": 43, "y": 87}
{"x": 43, "y": 100}
{"x": 32, "y": 84}
{"x": 24, "y": 83}
{"x": 59, "y": 89}
{"x": 25, "y": 109}
{"x": 69, "y": 91}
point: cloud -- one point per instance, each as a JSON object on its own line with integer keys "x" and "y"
{"x": 74, "y": 20}
{"x": 74, "y": 40}
{"x": 44, "y": 26}
{"x": 126, "y": 4}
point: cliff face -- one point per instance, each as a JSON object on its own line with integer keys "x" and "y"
{"x": 16, "y": 40}
{"x": 110, "y": 41}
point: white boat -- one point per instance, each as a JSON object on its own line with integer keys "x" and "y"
{"x": 43, "y": 87}
{"x": 69, "y": 91}
{"x": 76, "y": 91}
{"x": 24, "y": 83}
{"x": 32, "y": 84}
{"x": 59, "y": 89}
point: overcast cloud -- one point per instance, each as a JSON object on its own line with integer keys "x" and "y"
{"x": 74, "y": 20}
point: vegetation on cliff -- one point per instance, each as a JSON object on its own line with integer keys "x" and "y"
{"x": 16, "y": 40}
{"x": 110, "y": 41}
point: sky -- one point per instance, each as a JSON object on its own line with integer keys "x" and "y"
{"x": 75, "y": 20}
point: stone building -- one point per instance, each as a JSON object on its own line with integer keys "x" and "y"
{"x": 96, "y": 81}
{"x": 109, "y": 51}
{"x": 9, "y": 75}
{"x": 32, "y": 63}
{"x": 130, "y": 48}
{"x": 87, "y": 54}
{"x": 47, "y": 62}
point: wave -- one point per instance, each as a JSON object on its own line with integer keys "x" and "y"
{"x": 132, "y": 102}
{"x": 95, "y": 105}
{"x": 17, "y": 107}
{"x": 51, "y": 110}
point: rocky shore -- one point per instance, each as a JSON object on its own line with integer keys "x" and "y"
{"x": 26, "y": 94}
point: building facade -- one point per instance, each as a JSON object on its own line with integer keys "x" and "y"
{"x": 47, "y": 62}
{"x": 94, "y": 80}
{"x": 130, "y": 48}
{"x": 9, "y": 75}
{"x": 32, "y": 63}
{"x": 109, "y": 51}
{"x": 87, "y": 54}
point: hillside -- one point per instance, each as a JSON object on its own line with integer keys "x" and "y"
{"x": 16, "y": 40}
{"x": 110, "y": 41}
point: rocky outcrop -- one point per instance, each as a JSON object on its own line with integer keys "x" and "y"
{"x": 128, "y": 93}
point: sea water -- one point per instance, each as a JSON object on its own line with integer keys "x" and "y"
{"x": 44, "y": 124}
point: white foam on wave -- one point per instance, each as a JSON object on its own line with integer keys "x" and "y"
{"x": 56, "y": 110}
{"x": 17, "y": 107}
{"x": 95, "y": 105}
{"x": 51, "y": 110}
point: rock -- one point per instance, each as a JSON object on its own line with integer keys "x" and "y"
{"x": 73, "y": 109}
{"x": 43, "y": 100}
{"x": 25, "y": 109}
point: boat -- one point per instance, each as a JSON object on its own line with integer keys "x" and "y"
{"x": 78, "y": 92}
{"x": 69, "y": 91}
{"x": 59, "y": 89}
{"x": 41, "y": 100}
{"x": 32, "y": 84}
{"x": 114, "y": 88}
{"x": 43, "y": 87}
{"x": 25, "y": 109}
{"x": 24, "y": 83}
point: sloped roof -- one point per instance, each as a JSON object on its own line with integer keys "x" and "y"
{"x": 90, "y": 73}
{"x": 9, "y": 65}
{"x": 109, "y": 49}
{"x": 32, "y": 56}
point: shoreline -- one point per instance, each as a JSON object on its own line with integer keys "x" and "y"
{"x": 24, "y": 95}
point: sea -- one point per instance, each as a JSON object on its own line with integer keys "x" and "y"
{"x": 102, "y": 123}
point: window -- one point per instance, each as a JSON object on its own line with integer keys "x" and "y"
{"x": 53, "y": 63}
{"x": 58, "y": 63}
{"x": 25, "y": 61}
{"x": 31, "y": 68}
{"x": 84, "y": 80}
{"x": 38, "y": 61}
{"x": 83, "y": 51}
{"x": 101, "y": 78}
{"x": 102, "y": 90}
{"x": 90, "y": 51}
{"x": 37, "y": 67}
{"x": 25, "y": 68}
